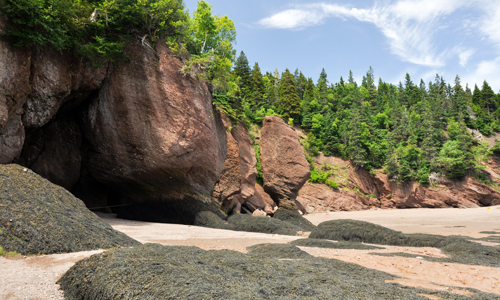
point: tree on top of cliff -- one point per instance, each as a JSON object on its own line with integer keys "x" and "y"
{"x": 209, "y": 39}
{"x": 289, "y": 103}
{"x": 244, "y": 73}
{"x": 96, "y": 28}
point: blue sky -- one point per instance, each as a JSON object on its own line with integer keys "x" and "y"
{"x": 419, "y": 37}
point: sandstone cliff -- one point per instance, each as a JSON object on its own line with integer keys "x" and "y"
{"x": 135, "y": 134}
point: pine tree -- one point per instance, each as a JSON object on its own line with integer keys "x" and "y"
{"x": 242, "y": 70}
{"x": 488, "y": 98}
{"x": 289, "y": 102}
{"x": 300, "y": 84}
{"x": 351, "y": 77}
{"x": 322, "y": 88}
{"x": 258, "y": 86}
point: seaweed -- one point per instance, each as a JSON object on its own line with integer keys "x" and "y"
{"x": 319, "y": 243}
{"x": 461, "y": 249}
{"x": 243, "y": 222}
{"x": 294, "y": 217}
{"x": 153, "y": 271}
{"x": 38, "y": 217}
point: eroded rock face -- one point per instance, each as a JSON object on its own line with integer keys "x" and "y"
{"x": 229, "y": 181}
{"x": 57, "y": 78}
{"x": 14, "y": 90}
{"x": 443, "y": 192}
{"x": 319, "y": 198}
{"x": 156, "y": 139}
{"x": 247, "y": 160}
{"x": 284, "y": 166}
{"x": 463, "y": 193}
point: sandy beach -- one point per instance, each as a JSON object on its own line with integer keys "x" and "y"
{"x": 34, "y": 277}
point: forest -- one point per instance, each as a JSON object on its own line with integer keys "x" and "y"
{"x": 407, "y": 130}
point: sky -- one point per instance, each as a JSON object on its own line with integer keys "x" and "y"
{"x": 419, "y": 37}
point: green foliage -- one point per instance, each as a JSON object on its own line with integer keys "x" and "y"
{"x": 451, "y": 157}
{"x": 289, "y": 104}
{"x": 322, "y": 177}
{"x": 229, "y": 105}
{"x": 95, "y": 28}
{"x": 258, "y": 166}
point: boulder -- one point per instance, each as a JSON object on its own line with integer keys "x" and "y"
{"x": 284, "y": 166}
{"x": 156, "y": 140}
{"x": 38, "y": 217}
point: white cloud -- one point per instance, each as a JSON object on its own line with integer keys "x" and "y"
{"x": 490, "y": 24}
{"x": 409, "y": 25}
{"x": 464, "y": 55}
{"x": 294, "y": 19}
{"x": 488, "y": 70}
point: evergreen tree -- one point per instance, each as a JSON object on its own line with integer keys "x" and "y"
{"x": 300, "y": 83}
{"x": 289, "y": 101}
{"x": 258, "y": 86}
{"x": 242, "y": 70}
{"x": 489, "y": 99}
{"x": 351, "y": 77}
{"x": 322, "y": 88}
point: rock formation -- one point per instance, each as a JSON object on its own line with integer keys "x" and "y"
{"x": 235, "y": 191}
{"x": 155, "y": 138}
{"x": 358, "y": 188}
{"x": 229, "y": 182}
{"x": 284, "y": 166}
{"x": 137, "y": 133}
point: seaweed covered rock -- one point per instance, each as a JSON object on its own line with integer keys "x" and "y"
{"x": 284, "y": 165}
{"x": 244, "y": 222}
{"x": 153, "y": 271}
{"x": 357, "y": 231}
{"x": 295, "y": 218}
{"x": 319, "y": 243}
{"x": 283, "y": 251}
{"x": 461, "y": 249}
{"x": 38, "y": 217}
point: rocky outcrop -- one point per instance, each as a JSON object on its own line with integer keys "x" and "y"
{"x": 318, "y": 198}
{"x": 357, "y": 188}
{"x": 38, "y": 217}
{"x": 155, "y": 138}
{"x": 235, "y": 191}
{"x": 447, "y": 193}
{"x": 247, "y": 160}
{"x": 57, "y": 78}
{"x": 284, "y": 166}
